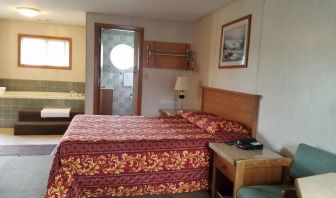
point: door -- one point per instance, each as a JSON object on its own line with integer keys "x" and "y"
{"x": 118, "y": 70}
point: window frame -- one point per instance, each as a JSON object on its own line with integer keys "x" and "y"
{"x": 20, "y": 36}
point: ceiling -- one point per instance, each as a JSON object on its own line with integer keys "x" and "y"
{"x": 73, "y": 11}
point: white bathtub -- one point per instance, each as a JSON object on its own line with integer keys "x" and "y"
{"x": 42, "y": 95}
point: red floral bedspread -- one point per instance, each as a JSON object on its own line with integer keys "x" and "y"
{"x": 103, "y": 156}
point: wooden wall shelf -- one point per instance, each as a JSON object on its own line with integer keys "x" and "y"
{"x": 166, "y": 55}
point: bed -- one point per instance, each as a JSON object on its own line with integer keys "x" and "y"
{"x": 104, "y": 156}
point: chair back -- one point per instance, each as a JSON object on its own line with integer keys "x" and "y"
{"x": 310, "y": 161}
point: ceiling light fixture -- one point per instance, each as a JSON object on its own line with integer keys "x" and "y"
{"x": 28, "y": 12}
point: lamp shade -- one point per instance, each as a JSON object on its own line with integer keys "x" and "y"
{"x": 181, "y": 83}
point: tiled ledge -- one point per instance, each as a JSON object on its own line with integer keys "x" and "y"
{"x": 43, "y": 95}
{"x": 42, "y": 85}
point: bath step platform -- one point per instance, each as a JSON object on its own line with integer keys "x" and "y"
{"x": 31, "y": 123}
{"x": 41, "y": 127}
{"x": 34, "y": 114}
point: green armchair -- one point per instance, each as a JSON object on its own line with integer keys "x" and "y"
{"x": 307, "y": 161}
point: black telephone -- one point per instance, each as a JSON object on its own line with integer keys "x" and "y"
{"x": 249, "y": 144}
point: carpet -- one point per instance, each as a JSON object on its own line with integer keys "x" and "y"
{"x": 24, "y": 177}
{"x": 27, "y": 150}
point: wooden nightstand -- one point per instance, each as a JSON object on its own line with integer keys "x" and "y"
{"x": 170, "y": 112}
{"x": 244, "y": 167}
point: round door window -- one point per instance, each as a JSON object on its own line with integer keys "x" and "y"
{"x": 122, "y": 56}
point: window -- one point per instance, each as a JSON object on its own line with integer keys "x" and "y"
{"x": 44, "y": 52}
{"x": 122, "y": 56}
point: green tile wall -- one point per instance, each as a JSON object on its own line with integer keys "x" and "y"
{"x": 41, "y": 85}
{"x": 9, "y": 107}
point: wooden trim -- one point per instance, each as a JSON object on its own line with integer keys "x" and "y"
{"x": 214, "y": 176}
{"x": 97, "y": 35}
{"x": 137, "y": 109}
{"x": 266, "y": 163}
{"x": 96, "y": 70}
{"x": 249, "y": 18}
{"x": 232, "y": 105}
{"x": 239, "y": 178}
{"x": 44, "y": 37}
{"x": 268, "y": 167}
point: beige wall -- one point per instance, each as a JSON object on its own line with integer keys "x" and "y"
{"x": 9, "y": 31}
{"x": 291, "y": 64}
{"x": 158, "y": 84}
{"x": 206, "y": 44}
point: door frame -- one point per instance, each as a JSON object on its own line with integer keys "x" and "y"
{"x": 97, "y": 68}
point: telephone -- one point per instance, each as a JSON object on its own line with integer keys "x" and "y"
{"x": 249, "y": 144}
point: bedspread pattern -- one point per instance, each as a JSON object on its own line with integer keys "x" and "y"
{"x": 103, "y": 156}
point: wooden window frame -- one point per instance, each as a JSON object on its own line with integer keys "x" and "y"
{"x": 20, "y": 36}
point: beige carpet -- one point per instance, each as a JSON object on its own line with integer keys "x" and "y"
{"x": 24, "y": 177}
{"x": 8, "y": 150}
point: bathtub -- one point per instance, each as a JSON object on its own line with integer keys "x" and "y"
{"x": 42, "y": 95}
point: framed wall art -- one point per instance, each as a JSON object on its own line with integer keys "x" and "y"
{"x": 235, "y": 39}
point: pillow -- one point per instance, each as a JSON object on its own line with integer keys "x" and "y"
{"x": 213, "y": 124}
{"x": 194, "y": 116}
{"x": 232, "y": 126}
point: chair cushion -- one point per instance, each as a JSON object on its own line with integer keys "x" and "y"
{"x": 310, "y": 161}
{"x": 261, "y": 191}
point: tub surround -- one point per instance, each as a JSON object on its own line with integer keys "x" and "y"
{"x": 22, "y": 94}
{"x": 42, "y": 85}
{"x": 9, "y": 107}
{"x": 43, "y": 95}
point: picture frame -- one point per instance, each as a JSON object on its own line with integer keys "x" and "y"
{"x": 235, "y": 42}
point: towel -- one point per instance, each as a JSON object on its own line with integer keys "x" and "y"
{"x": 55, "y": 113}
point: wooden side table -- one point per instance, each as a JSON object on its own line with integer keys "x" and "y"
{"x": 246, "y": 167}
{"x": 170, "y": 112}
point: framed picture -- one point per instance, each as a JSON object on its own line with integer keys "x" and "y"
{"x": 235, "y": 39}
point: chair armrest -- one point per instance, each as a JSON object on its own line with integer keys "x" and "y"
{"x": 289, "y": 193}
{"x": 242, "y": 165}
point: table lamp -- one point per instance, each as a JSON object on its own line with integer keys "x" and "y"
{"x": 181, "y": 85}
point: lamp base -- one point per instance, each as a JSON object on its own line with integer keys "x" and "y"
{"x": 179, "y": 111}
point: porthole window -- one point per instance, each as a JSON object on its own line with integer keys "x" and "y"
{"x": 122, "y": 56}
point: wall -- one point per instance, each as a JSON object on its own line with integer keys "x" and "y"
{"x": 9, "y": 31}
{"x": 206, "y": 43}
{"x": 291, "y": 64}
{"x": 157, "y": 86}
{"x": 297, "y": 74}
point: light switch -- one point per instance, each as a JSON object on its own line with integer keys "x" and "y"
{"x": 146, "y": 76}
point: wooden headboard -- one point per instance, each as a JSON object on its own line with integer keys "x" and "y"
{"x": 241, "y": 107}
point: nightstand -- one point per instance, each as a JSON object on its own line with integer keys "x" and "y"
{"x": 170, "y": 112}
{"x": 245, "y": 167}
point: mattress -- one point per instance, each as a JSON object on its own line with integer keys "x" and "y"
{"x": 102, "y": 156}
